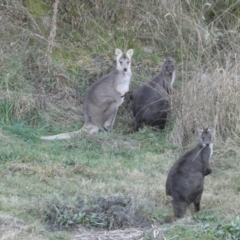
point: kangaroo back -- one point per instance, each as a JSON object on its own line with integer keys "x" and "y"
{"x": 151, "y": 102}
{"x": 186, "y": 177}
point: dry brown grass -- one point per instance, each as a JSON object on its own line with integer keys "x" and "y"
{"x": 14, "y": 228}
{"x": 52, "y": 170}
{"x": 209, "y": 97}
{"x": 51, "y": 38}
{"x": 127, "y": 234}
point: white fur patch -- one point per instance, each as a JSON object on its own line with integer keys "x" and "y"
{"x": 123, "y": 78}
{"x": 173, "y": 78}
{"x": 123, "y": 82}
{"x": 121, "y": 101}
{"x": 57, "y": 137}
{"x": 211, "y": 149}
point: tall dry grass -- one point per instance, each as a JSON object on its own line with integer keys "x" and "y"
{"x": 210, "y": 96}
{"x": 208, "y": 93}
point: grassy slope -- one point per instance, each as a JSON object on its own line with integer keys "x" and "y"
{"x": 37, "y": 175}
{"x": 134, "y": 165}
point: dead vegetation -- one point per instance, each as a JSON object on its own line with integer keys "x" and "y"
{"x": 14, "y": 228}
{"x": 208, "y": 97}
{"x": 127, "y": 234}
{"x": 53, "y": 170}
{"x": 110, "y": 213}
{"x": 7, "y": 221}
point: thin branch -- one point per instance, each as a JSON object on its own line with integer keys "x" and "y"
{"x": 51, "y": 37}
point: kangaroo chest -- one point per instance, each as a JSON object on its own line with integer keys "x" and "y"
{"x": 173, "y": 78}
{"x": 122, "y": 83}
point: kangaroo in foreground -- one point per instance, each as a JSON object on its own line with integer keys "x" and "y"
{"x": 186, "y": 177}
{"x": 103, "y": 98}
{"x": 151, "y": 102}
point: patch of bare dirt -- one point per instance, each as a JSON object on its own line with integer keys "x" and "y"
{"x": 10, "y": 226}
{"x": 7, "y": 221}
{"x": 126, "y": 234}
{"x": 14, "y": 228}
{"x": 123, "y": 234}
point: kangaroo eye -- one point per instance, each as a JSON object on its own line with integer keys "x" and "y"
{"x": 203, "y": 138}
{"x": 120, "y": 62}
{"x": 127, "y": 62}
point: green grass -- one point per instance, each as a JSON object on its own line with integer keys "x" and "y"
{"x": 54, "y": 186}
{"x": 208, "y": 230}
{"x": 37, "y": 172}
{"x": 39, "y": 175}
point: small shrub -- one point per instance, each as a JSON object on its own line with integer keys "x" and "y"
{"x": 112, "y": 212}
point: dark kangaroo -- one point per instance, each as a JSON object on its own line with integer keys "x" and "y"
{"x": 186, "y": 177}
{"x": 151, "y": 102}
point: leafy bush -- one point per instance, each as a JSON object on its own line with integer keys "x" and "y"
{"x": 230, "y": 231}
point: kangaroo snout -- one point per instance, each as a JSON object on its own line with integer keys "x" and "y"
{"x": 207, "y": 144}
{"x": 125, "y": 69}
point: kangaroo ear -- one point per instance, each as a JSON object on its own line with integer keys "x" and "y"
{"x": 199, "y": 130}
{"x": 118, "y": 52}
{"x": 129, "y": 53}
{"x": 211, "y": 129}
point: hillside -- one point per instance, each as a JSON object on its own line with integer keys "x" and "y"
{"x": 51, "y": 52}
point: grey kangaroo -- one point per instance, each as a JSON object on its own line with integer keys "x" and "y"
{"x": 186, "y": 177}
{"x": 103, "y": 98}
{"x": 151, "y": 102}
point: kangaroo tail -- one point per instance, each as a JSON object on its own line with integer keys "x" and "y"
{"x": 61, "y": 136}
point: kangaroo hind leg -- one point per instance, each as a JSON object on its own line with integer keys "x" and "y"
{"x": 110, "y": 116}
{"x": 197, "y": 203}
{"x": 179, "y": 207}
